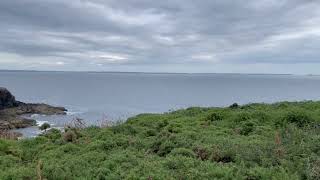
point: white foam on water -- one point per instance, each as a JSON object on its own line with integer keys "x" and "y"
{"x": 34, "y": 115}
{"x": 70, "y": 113}
{"x": 40, "y": 123}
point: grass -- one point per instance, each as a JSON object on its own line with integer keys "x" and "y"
{"x": 255, "y": 141}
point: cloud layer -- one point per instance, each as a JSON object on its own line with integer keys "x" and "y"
{"x": 265, "y": 36}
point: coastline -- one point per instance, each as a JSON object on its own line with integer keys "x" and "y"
{"x": 13, "y": 114}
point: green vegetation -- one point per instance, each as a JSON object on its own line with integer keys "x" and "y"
{"x": 44, "y": 126}
{"x": 255, "y": 141}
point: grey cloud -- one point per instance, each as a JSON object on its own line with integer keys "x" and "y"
{"x": 161, "y": 33}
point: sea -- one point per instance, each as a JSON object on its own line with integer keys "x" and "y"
{"x": 99, "y": 97}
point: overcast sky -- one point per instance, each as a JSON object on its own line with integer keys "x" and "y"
{"x": 230, "y": 36}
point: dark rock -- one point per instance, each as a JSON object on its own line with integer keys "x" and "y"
{"x": 26, "y": 108}
{"x": 7, "y": 100}
{"x": 11, "y": 111}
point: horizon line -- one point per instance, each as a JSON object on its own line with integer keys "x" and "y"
{"x": 142, "y": 72}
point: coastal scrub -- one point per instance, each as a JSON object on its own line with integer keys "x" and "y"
{"x": 254, "y": 141}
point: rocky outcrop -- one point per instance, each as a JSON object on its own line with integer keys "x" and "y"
{"x": 11, "y": 111}
{"x": 28, "y": 108}
{"x": 7, "y": 100}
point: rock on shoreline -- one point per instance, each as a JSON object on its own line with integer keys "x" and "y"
{"x": 7, "y": 100}
{"x": 11, "y": 111}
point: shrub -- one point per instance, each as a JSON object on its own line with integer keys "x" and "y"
{"x": 162, "y": 124}
{"x": 313, "y": 168}
{"x": 70, "y": 136}
{"x": 174, "y": 128}
{"x": 214, "y": 117}
{"x": 193, "y": 111}
{"x": 165, "y": 148}
{"x": 183, "y": 152}
{"x": 151, "y": 132}
{"x": 234, "y": 106}
{"x": 44, "y": 126}
{"x": 247, "y": 128}
{"x": 202, "y": 153}
{"x": 124, "y": 129}
{"x": 242, "y": 116}
{"x": 298, "y": 117}
{"x": 4, "y": 146}
{"x": 222, "y": 154}
{"x": 53, "y": 134}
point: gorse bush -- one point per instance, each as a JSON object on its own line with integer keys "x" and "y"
{"x": 70, "y": 136}
{"x": 247, "y": 128}
{"x": 214, "y": 117}
{"x": 44, "y": 126}
{"x": 300, "y": 118}
{"x": 313, "y": 168}
{"x": 183, "y": 152}
{"x": 254, "y": 141}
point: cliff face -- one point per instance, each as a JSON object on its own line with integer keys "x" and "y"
{"x": 7, "y": 100}
{"x": 11, "y": 111}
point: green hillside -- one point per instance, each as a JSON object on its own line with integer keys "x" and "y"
{"x": 255, "y": 141}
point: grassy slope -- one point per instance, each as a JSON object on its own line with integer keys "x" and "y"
{"x": 257, "y": 141}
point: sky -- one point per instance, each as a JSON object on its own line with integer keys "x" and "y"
{"x": 207, "y": 36}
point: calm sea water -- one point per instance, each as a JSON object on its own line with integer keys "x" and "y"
{"x": 114, "y": 96}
